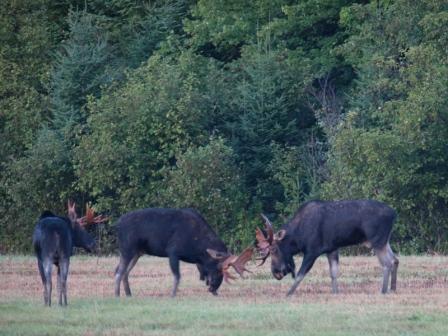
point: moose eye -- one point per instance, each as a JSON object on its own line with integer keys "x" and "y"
{"x": 274, "y": 249}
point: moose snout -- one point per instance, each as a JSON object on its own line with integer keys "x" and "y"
{"x": 279, "y": 273}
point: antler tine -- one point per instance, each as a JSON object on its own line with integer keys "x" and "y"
{"x": 269, "y": 228}
{"x": 100, "y": 219}
{"x": 71, "y": 206}
{"x": 226, "y": 274}
{"x": 71, "y": 211}
{"x": 263, "y": 243}
{"x": 240, "y": 263}
{"x": 90, "y": 214}
{"x": 263, "y": 259}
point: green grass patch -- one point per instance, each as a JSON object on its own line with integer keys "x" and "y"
{"x": 166, "y": 316}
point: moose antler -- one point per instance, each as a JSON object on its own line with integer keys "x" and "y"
{"x": 264, "y": 242}
{"x": 238, "y": 263}
{"x": 71, "y": 206}
{"x": 230, "y": 260}
{"x": 71, "y": 210}
{"x": 269, "y": 228}
{"x": 90, "y": 218}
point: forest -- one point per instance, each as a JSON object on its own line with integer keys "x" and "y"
{"x": 230, "y": 107}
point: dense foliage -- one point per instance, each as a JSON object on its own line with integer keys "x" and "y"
{"x": 230, "y": 107}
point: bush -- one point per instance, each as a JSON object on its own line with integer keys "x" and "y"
{"x": 206, "y": 178}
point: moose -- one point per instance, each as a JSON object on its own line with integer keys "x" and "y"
{"x": 320, "y": 227}
{"x": 179, "y": 235}
{"x": 53, "y": 240}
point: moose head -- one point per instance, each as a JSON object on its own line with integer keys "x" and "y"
{"x": 277, "y": 246}
{"x": 81, "y": 238}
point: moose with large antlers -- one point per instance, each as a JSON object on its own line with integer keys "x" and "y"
{"x": 54, "y": 238}
{"x": 322, "y": 227}
{"x": 179, "y": 235}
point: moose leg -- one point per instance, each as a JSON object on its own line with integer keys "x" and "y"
{"x": 63, "y": 266}
{"x": 307, "y": 263}
{"x": 120, "y": 272}
{"x": 131, "y": 265}
{"x": 393, "y": 281}
{"x": 40, "y": 266}
{"x": 174, "y": 265}
{"x": 292, "y": 267}
{"x": 47, "y": 265}
{"x": 201, "y": 272}
{"x": 387, "y": 261}
{"x": 59, "y": 285}
{"x": 333, "y": 261}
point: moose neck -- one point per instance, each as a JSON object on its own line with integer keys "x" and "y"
{"x": 76, "y": 236}
{"x": 293, "y": 243}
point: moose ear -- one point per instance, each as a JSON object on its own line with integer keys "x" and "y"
{"x": 280, "y": 235}
{"x": 217, "y": 255}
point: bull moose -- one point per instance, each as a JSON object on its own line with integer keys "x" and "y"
{"x": 322, "y": 227}
{"x": 179, "y": 235}
{"x": 53, "y": 240}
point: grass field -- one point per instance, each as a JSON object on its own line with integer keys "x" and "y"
{"x": 255, "y": 306}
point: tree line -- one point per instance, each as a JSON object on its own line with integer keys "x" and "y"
{"x": 230, "y": 107}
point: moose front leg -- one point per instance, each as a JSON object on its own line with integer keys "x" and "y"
{"x": 307, "y": 263}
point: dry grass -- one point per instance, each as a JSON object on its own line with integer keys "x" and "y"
{"x": 422, "y": 296}
{"x": 422, "y": 281}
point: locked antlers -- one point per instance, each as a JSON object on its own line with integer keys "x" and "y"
{"x": 229, "y": 260}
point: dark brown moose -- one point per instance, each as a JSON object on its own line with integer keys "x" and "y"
{"x": 179, "y": 235}
{"x": 53, "y": 240}
{"x": 322, "y": 227}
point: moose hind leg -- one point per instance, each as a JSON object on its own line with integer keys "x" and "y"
{"x": 333, "y": 261}
{"x": 59, "y": 285}
{"x": 131, "y": 265}
{"x": 120, "y": 272}
{"x": 174, "y": 265}
{"x": 393, "y": 280}
{"x": 64, "y": 265}
{"x": 47, "y": 266}
{"x": 40, "y": 266}
{"x": 387, "y": 262}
